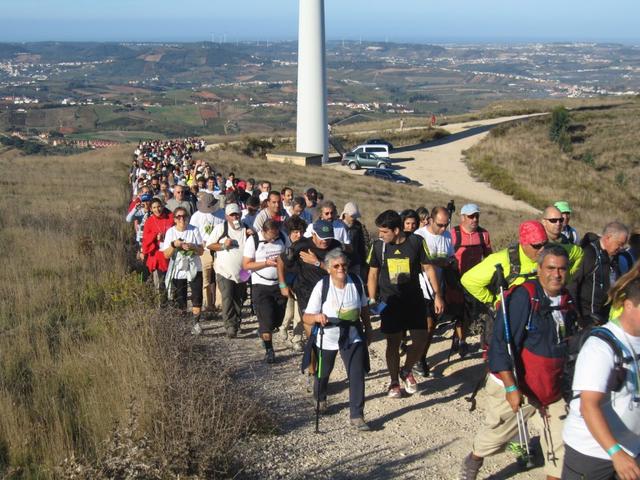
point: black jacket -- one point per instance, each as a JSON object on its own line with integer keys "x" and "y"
{"x": 591, "y": 282}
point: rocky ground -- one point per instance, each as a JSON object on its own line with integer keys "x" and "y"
{"x": 423, "y": 436}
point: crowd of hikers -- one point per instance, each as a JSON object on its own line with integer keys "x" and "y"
{"x": 558, "y": 314}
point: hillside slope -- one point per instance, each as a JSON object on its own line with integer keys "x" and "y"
{"x": 598, "y": 174}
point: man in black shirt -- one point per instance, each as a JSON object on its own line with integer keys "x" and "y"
{"x": 305, "y": 261}
{"x": 395, "y": 262}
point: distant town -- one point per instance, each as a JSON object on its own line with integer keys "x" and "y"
{"x": 114, "y": 92}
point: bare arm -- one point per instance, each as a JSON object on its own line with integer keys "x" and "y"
{"x": 372, "y": 282}
{"x": 433, "y": 280}
{"x": 624, "y": 465}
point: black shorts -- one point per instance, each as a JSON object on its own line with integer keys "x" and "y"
{"x": 269, "y": 305}
{"x": 404, "y": 313}
{"x": 578, "y": 466}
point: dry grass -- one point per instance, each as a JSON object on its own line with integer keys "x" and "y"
{"x": 599, "y": 177}
{"x": 79, "y": 347}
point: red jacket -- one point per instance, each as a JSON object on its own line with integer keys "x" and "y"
{"x": 150, "y": 244}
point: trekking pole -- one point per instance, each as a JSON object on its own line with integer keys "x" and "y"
{"x": 319, "y": 374}
{"x": 522, "y": 427}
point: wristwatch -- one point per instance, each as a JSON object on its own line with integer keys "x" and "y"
{"x": 317, "y": 263}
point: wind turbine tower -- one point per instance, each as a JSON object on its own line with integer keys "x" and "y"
{"x": 312, "y": 119}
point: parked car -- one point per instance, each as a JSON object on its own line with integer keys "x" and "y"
{"x": 389, "y": 176}
{"x": 379, "y": 150}
{"x": 379, "y": 141}
{"x": 358, "y": 160}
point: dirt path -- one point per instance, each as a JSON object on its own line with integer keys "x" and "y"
{"x": 424, "y": 436}
{"x": 438, "y": 165}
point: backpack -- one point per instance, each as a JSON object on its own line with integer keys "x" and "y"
{"x": 257, "y": 241}
{"x": 514, "y": 271}
{"x": 458, "y": 242}
{"x": 622, "y": 356}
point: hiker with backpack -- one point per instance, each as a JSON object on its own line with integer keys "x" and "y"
{"x": 439, "y": 249}
{"x": 260, "y": 255}
{"x": 568, "y": 231}
{"x": 227, "y": 240}
{"x": 552, "y": 221}
{"x": 526, "y": 359}
{"x": 602, "y": 430}
{"x": 396, "y": 261}
{"x": 471, "y": 244}
{"x": 338, "y": 312}
{"x": 518, "y": 261}
{"x": 598, "y": 272}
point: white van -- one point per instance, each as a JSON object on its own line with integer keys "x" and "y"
{"x": 379, "y": 150}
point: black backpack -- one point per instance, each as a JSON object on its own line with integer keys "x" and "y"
{"x": 618, "y": 375}
{"x": 514, "y": 271}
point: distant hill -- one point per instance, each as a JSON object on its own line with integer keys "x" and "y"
{"x": 131, "y": 59}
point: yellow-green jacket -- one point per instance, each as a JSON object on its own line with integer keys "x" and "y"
{"x": 478, "y": 279}
{"x": 576, "y": 254}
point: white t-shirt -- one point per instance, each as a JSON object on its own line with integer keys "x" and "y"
{"x": 229, "y": 262}
{"x": 438, "y": 246}
{"x": 341, "y": 304}
{"x": 594, "y": 364}
{"x": 204, "y": 222}
{"x": 340, "y": 232}
{"x": 190, "y": 235}
{"x": 270, "y": 250}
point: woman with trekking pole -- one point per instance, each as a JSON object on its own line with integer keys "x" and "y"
{"x": 338, "y": 310}
{"x": 602, "y": 430}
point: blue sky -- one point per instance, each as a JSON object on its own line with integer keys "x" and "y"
{"x": 394, "y": 20}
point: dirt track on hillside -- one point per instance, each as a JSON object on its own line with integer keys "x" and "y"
{"x": 424, "y": 436}
{"x": 439, "y": 165}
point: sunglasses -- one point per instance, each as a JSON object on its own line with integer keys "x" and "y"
{"x": 538, "y": 246}
{"x": 234, "y": 214}
{"x": 554, "y": 220}
{"x": 181, "y": 216}
{"x": 442, "y": 225}
{"x": 339, "y": 265}
{"x": 475, "y": 216}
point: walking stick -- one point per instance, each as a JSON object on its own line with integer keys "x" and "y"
{"x": 319, "y": 374}
{"x": 522, "y": 426}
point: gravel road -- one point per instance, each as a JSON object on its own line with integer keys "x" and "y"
{"x": 423, "y": 436}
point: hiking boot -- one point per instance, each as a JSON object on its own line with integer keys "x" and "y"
{"x": 359, "y": 424}
{"x": 409, "y": 381}
{"x": 422, "y": 368}
{"x": 270, "y": 356}
{"x": 394, "y": 391}
{"x": 464, "y": 349}
{"x": 196, "y": 329}
{"x": 470, "y": 468}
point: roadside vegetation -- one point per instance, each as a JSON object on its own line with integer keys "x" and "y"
{"x": 587, "y": 156}
{"x": 94, "y": 382}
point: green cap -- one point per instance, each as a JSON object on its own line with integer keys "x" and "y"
{"x": 564, "y": 207}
